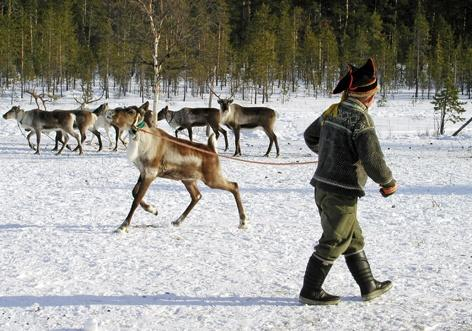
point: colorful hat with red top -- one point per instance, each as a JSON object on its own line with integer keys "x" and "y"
{"x": 359, "y": 82}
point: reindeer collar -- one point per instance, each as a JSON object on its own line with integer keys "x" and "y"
{"x": 135, "y": 128}
{"x": 21, "y": 111}
{"x": 140, "y": 125}
{"x": 170, "y": 117}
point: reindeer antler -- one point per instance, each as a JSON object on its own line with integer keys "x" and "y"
{"x": 213, "y": 92}
{"x": 40, "y": 97}
{"x": 86, "y": 98}
{"x": 234, "y": 89}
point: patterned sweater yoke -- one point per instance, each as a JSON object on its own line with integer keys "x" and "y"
{"x": 348, "y": 148}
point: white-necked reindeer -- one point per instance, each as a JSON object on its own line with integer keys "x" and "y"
{"x": 40, "y": 120}
{"x": 102, "y": 122}
{"x": 158, "y": 154}
{"x": 187, "y": 118}
{"x": 237, "y": 117}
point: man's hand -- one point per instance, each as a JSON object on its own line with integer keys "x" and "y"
{"x": 388, "y": 190}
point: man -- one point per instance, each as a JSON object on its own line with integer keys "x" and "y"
{"x": 348, "y": 152}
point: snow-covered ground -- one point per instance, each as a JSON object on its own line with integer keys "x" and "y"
{"x": 63, "y": 268}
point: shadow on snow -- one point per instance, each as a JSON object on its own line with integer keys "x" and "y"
{"x": 135, "y": 300}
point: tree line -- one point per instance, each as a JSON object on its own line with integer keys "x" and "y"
{"x": 253, "y": 46}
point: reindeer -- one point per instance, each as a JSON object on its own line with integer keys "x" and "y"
{"x": 186, "y": 118}
{"x": 158, "y": 154}
{"x": 85, "y": 120}
{"x": 38, "y": 120}
{"x": 102, "y": 122}
{"x": 237, "y": 117}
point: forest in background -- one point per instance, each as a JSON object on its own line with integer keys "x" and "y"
{"x": 253, "y": 46}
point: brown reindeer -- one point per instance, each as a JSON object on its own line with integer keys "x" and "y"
{"x": 85, "y": 121}
{"x": 237, "y": 117}
{"x": 187, "y": 118}
{"x": 38, "y": 120}
{"x": 158, "y": 154}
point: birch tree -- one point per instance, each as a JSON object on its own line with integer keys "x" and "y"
{"x": 168, "y": 29}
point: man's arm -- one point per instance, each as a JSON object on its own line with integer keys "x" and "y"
{"x": 312, "y": 135}
{"x": 369, "y": 151}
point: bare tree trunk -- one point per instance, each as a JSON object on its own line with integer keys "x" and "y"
{"x": 463, "y": 126}
{"x": 22, "y": 59}
{"x": 441, "y": 124}
{"x": 60, "y": 64}
{"x": 417, "y": 80}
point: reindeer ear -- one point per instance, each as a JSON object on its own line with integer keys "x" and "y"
{"x": 145, "y": 105}
{"x": 230, "y": 101}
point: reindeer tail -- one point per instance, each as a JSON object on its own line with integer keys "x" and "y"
{"x": 212, "y": 143}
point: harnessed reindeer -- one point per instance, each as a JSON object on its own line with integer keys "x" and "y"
{"x": 40, "y": 120}
{"x": 157, "y": 154}
{"x": 187, "y": 118}
{"x": 237, "y": 117}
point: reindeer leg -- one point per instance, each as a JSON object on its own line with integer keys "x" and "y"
{"x": 190, "y": 133}
{"x": 64, "y": 142}
{"x": 270, "y": 135}
{"x": 77, "y": 137}
{"x": 107, "y": 131}
{"x": 178, "y": 129}
{"x": 222, "y": 184}
{"x": 194, "y": 194}
{"x": 147, "y": 207}
{"x": 143, "y": 187}
{"x": 117, "y": 136}
{"x": 29, "y": 142}
{"x": 56, "y": 140}
{"x": 276, "y": 144}
{"x": 96, "y": 133}
{"x": 82, "y": 139}
{"x": 38, "y": 140}
{"x": 237, "y": 151}
{"x": 225, "y": 135}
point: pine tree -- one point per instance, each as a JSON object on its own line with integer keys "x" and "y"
{"x": 311, "y": 54}
{"x": 447, "y": 105}
{"x": 260, "y": 50}
{"x": 421, "y": 47}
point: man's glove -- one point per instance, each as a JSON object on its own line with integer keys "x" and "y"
{"x": 389, "y": 189}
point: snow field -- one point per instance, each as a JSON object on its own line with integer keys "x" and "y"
{"x": 63, "y": 268}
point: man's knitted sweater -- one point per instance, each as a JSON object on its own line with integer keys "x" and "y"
{"x": 348, "y": 150}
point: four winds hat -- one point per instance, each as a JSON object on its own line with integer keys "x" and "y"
{"x": 359, "y": 82}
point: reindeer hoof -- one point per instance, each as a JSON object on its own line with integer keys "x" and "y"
{"x": 121, "y": 229}
{"x": 242, "y": 225}
{"x": 152, "y": 210}
{"x": 176, "y": 223}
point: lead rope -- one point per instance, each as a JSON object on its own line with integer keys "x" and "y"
{"x": 224, "y": 156}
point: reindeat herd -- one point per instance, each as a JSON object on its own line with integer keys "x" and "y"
{"x": 153, "y": 151}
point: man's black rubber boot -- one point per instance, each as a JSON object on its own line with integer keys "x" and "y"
{"x": 312, "y": 293}
{"x": 360, "y": 270}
